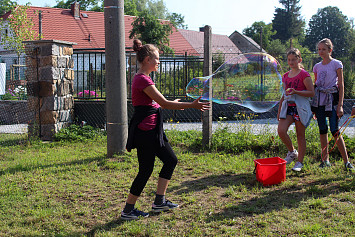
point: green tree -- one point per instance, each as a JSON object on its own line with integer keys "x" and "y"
{"x": 287, "y": 21}
{"x": 16, "y": 29}
{"x": 277, "y": 49}
{"x": 258, "y": 28}
{"x": 84, "y": 4}
{"x": 351, "y": 42}
{"x": 329, "y": 22}
{"x": 150, "y": 30}
{"x": 177, "y": 20}
{"x": 130, "y": 6}
{"x": 6, "y": 6}
{"x": 218, "y": 58}
{"x": 156, "y": 8}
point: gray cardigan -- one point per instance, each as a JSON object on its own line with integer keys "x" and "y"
{"x": 303, "y": 108}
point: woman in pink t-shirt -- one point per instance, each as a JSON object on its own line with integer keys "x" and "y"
{"x": 297, "y": 81}
{"x": 147, "y": 135}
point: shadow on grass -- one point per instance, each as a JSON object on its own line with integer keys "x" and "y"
{"x": 25, "y": 168}
{"x": 106, "y": 227}
{"x": 112, "y": 225}
{"x": 223, "y": 181}
{"x": 280, "y": 197}
{"x": 269, "y": 198}
{"x": 13, "y": 141}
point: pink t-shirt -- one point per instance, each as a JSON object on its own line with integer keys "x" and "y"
{"x": 140, "y": 82}
{"x": 296, "y": 82}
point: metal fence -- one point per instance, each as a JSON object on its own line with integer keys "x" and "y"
{"x": 14, "y": 114}
{"x": 171, "y": 79}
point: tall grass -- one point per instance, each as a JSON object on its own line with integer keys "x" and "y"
{"x": 70, "y": 188}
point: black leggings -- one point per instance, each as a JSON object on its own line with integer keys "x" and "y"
{"x": 148, "y": 147}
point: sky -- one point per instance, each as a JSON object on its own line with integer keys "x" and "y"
{"x": 226, "y": 16}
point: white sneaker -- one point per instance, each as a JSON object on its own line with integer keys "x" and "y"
{"x": 291, "y": 155}
{"x": 298, "y": 166}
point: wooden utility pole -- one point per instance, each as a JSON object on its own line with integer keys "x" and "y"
{"x": 207, "y": 70}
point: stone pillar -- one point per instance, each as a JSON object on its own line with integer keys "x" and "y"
{"x": 50, "y": 86}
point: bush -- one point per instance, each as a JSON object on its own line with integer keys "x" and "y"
{"x": 226, "y": 141}
{"x": 19, "y": 93}
{"x": 79, "y": 133}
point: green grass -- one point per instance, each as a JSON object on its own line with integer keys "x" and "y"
{"x": 70, "y": 188}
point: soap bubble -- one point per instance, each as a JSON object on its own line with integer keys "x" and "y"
{"x": 251, "y": 80}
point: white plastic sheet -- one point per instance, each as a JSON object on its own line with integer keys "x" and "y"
{"x": 2, "y": 78}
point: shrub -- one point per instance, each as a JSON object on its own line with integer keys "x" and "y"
{"x": 79, "y": 133}
{"x": 19, "y": 93}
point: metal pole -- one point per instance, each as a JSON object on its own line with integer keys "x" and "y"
{"x": 207, "y": 70}
{"x": 261, "y": 65}
{"x": 116, "y": 93}
{"x": 40, "y": 25}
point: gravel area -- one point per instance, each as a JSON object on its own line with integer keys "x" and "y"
{"x": 260, "y": 126}
{"x": 13, "y": 128}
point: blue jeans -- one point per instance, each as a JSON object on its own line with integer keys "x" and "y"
{"x": 321, "y": 115}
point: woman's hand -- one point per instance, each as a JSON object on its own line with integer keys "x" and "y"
{"x": 290, "y": 91}
{"x": 340, "y": 111}
{"x": 200, "y": 105}
{"x": 314, "y": 116}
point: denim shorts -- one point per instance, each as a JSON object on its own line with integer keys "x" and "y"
{"x": 292, "y": 110}
{"x": 321, "y": 115}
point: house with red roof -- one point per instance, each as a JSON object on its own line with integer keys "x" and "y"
{"x": 221, "y": 44}
{"x": 86, "y": 28}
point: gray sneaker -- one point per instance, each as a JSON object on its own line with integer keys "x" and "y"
{"x": 291, "y": 155}
{"x": 298, "y": 166}
{"x": 349, "y": 167}
{"x": 325, "y": 164}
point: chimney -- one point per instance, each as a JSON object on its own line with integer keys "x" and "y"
{"x": 75, "y": 9}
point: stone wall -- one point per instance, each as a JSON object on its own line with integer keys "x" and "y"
{"x": 50, "y": 86}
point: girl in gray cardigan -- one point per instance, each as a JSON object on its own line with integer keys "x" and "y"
{"x": 294, "y": 107}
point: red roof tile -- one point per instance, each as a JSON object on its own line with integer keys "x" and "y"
{"x": 88, "y": 32}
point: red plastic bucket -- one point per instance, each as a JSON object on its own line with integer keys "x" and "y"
{"x": 270, "y": 171}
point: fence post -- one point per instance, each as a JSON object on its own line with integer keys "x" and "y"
{"x": 50, "y": 86}
{"x": 116, "y": 93}
{"x": 207, "y": 70}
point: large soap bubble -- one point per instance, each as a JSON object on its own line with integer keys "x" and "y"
{"x": 251, "y": 80}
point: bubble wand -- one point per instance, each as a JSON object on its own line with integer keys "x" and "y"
{"x": 347, "y": 122}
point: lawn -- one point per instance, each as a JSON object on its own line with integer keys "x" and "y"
{"x": 70, "y": 188}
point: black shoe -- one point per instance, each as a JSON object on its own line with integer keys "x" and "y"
{"x": 167, "y": 205}
{"x": 133, "y": 215}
